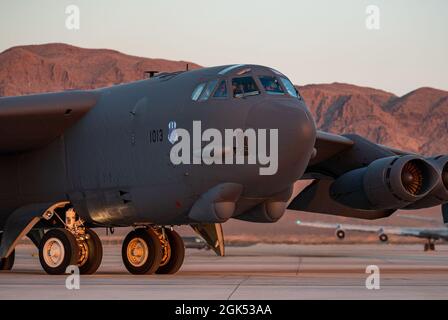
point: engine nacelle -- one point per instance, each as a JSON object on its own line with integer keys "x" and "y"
{"x": 387, "y": 183}
{"x": 439, "y": 194}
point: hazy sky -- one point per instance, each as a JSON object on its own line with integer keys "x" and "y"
{"x": 311, "y": 41}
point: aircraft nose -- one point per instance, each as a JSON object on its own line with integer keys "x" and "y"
{"x": 296, "y": 132}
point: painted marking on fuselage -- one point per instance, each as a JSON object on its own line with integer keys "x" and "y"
{"x": 172, "y": 134}
{"x": 156, "y": 136}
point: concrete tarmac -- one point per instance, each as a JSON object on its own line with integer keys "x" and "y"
{"x": 255, "y": 272}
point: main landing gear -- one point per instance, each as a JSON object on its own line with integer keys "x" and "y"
{"x": 72, "y": 245}
{"x": 146, "y": 250}
{"x": 153, "y": 250}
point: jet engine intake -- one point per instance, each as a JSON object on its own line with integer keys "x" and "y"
{"x": 439, "y": 194}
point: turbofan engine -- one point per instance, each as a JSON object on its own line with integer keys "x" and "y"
{"x": 439, "y": 194}
{"x": 387, "y": 183}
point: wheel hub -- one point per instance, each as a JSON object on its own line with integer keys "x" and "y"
{"x": 54, "y": 252}
{"x": 137, "y": 252}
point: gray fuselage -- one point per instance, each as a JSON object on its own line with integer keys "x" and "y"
{"x": 114, "y": 164}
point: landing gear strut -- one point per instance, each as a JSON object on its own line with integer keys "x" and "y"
{"x": 153, "y": 250}
{"x": 73, "y": 245}
{"x": 430, "y": 245}
{"x": 7, "y": 263}
{"x": 173, "y": 252}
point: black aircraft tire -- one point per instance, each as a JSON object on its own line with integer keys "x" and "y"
{"x": 340, "y": 234}
{"x": 7, "y": 263}
{"x": 95, "y": 253}
{"x": 177, "y": 254}
{"x": 141, "y": 251}
{"x": 58, "y": 250}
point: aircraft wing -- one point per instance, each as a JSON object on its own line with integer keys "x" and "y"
{"x": 434, "y": 233}
{"x": 336, "y": 155}
{"x": 329, "y": 145}
{"x": 33, "y": 121}
{"x": 420, "y": 218}
{"x": 334, "y": 226}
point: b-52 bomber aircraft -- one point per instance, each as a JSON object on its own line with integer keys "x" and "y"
{"x": 151, "y": 155}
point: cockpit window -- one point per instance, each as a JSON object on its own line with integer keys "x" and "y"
{"x": 289, "y": 87}
{"x": 221, "y": 91}
{"x": 208, "y": 90}
{"x": 197, "y": 91}
{"x": 271, "y": 85}
{"x": 244, "y": 86}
